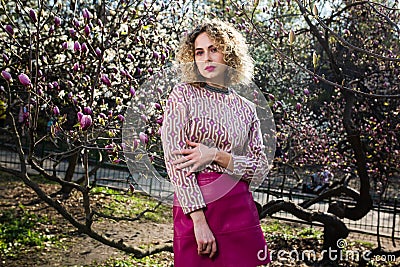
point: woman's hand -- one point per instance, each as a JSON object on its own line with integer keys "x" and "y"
{"x": 198, "y": 156}
{"x": 206, "y": 243}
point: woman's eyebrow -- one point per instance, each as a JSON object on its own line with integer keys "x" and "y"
{"x": 200, "y": 48}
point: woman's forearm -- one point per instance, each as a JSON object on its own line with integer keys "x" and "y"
{"x": 224, "y": 159}
{"x": 198, "y": 216}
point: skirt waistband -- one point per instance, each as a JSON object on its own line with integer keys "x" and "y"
{"x": 215, "y": 185}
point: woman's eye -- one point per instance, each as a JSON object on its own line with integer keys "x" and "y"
{"x": 199, "y": 53}
{"x": 214, "y": 50}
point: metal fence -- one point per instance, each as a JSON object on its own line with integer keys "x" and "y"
{"x": 119, "y": 177}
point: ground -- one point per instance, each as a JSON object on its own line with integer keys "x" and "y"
{"x": 67, "y": 247}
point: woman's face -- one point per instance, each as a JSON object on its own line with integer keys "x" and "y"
{"x": 209, "y": 60}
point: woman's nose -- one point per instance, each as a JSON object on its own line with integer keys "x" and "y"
{"x": 207, "y": 57}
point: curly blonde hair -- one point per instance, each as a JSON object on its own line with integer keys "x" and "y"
{"x": 229, "y": 41}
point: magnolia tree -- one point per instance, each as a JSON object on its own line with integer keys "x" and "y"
{"x": 334, "y": 88}
{"x": 69, "y": 69}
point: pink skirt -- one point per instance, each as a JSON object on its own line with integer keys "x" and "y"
{"x": 234, "y": 221}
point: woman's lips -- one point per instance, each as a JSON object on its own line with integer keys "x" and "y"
{"x": 209, "y": 68}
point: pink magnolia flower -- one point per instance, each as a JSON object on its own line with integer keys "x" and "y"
{"x": 76, "y": 67}
{"x": 84, "y": 48}
{"x": 87, "y": 30}
{"x": 32, "y": 14}
{"x": 85, "y": 122}
{"x": 10, "y": 30}
{"x": 105, "y": 80}
{"x": 51, "y": 30}
{"x": 79, "y": 114}
{"x": 57, "y": 21}
{"x": 121, "y": 117}
{"x": 98, "y": 52}
{"x": 86, "y": 14}
{"x": 143, "y": 138}
{"x": 77, "y": 46}
{"x": 157, "y": 106}
{"x": 144, "y": 118}
{"x": 5, "y": 58}
{"x": 76, "y": 23}
{"x": 135, "y": 143}
{"x": 24, "y": 79}
{"x": 87, "y": 110}
{"x": 132, "y": 91}
{"x": 271, "y": 97}
{"x": 298, "y": 107}
{"x": 6, "y": 75}
{"x": 56, "y": 111}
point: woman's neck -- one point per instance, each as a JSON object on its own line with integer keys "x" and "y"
{"x": 219, "y": 89}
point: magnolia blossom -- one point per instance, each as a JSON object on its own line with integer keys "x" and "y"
{"x": 87, "y": 110}
{"x": 87, "y": 30}
{"x": 57, "y": 21}
{"x": 79, "y": 114}
{"x": 51, "y": 30}
{"x": 121, "y": 117}
{"x": 76, "y": 23}
{"x": 85, "y": 122}
{"x": 143, "y": 138}
{"x": 10, "y": 30}
{"x": 5, "y": 58}
{"x": 105, "y": 80}
{"x": 6, "y": 75}
{"x": 77, "y": 46}
{"x": 157, "y": 106}
{"x": 271, "y": 97}
{"x": 132, "y": 91}
{"x": 32, "y": 14}
{"x": 84, "y": 48}
{"x": 135, "y": 143}
{"x": 298, "y": 106}
{"x": 56, "y": 111}
{"x": 86, "y": 14}
{"x": 98, "y": 52}
{"x": 24, "y": 79}
{"x": 159, "y": 120}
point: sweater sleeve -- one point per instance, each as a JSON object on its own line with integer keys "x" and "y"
{"x": 252, "y": 164}
{"x": 173, "y": 137}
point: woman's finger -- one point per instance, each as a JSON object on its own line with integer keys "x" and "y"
{"x": 181, "y": 152}
{"x": 190, "y": 143}
{"x": 181, "y": 160}
{"x": 186, "y": 164}
{"x": 213, "y": 249}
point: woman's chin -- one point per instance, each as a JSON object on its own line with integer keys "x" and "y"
{"x": 212, "y": 77}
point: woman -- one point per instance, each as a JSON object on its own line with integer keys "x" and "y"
{"x": 213, "y": 149}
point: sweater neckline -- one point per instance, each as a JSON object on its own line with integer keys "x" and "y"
{"x": 216, "y": 89}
